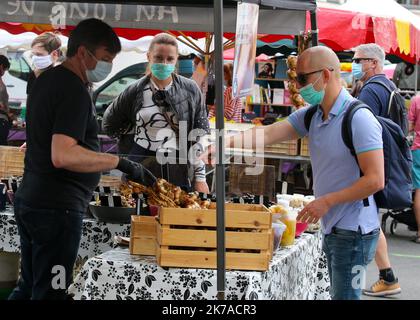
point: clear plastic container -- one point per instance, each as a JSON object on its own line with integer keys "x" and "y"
{"x": 278, "y": 230}
{"x": 286, "y": 197}
{"x": 284, "y": 203}
{"x": 289, "y": 219}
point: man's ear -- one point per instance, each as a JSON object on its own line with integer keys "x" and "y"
{"x": 327, "y": 75}
{"x": 82, "y": 52}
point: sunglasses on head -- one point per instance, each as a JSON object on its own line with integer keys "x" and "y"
{"x": 302, "y": 78}
{"x": 358, "y": 60}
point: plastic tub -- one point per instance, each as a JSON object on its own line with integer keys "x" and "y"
{"x": 286, "y": 197}
{"x": 300, "y": 228}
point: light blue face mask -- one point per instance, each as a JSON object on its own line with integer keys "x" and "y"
{"x": 162, "y": 71}
{"x": 310, "y": 95}
{"x": 357, "y": 71}
{"x": 101, "y": 71}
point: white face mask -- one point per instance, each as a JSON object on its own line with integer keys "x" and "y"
{"x": 42, "y": 62}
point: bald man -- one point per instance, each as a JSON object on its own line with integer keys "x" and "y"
{"x": 350, "y": 229}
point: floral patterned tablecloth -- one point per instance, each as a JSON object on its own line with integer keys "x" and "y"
{"x": 97, "y": 237}
{"x": 296, "y": 272}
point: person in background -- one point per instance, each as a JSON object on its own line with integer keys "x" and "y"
{"x": 46, "y": 52}
{"x": 163, "y": 107}
{"x": 405, "y": 76}
{"x": 414, "y": 125}
{"x": 200, "y": 73}
{"x": 63, "y": 164}
{"x": 233, "y": 106}
{"x": 368, "y": 63}
{"x": 4, "y": 102}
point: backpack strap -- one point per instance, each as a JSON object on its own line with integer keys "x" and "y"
{"x": 391, "y": 93}
{"x": 346, "y": 132}
{"x": 309, "y": 115}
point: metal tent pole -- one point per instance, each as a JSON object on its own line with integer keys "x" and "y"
{"x": 314, "y": 27}
{"x": 416, "y": 70}
{"x": 220, "y": 146}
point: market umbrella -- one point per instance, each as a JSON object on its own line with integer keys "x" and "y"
{"x": 385, "y": 22}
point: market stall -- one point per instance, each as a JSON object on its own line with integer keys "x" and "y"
{"x": 195, "y": 18}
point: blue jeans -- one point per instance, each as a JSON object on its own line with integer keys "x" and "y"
{"x": 49, "y": 240}
{"x": 348, "y": 253}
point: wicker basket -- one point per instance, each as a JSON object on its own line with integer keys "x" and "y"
{"x": 11, "y": 162}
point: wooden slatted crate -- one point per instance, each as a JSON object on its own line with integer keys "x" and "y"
{"x": 290, "y": 148}
{"x": 143, "y": 235}
{"x": 304, "y": 147}
{"x": 11, "y": 162}
{"x": 187, "y": 237}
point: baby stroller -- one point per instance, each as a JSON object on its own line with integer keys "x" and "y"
{"x": 405, "y": 216}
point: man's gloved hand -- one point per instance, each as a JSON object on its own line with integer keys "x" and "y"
{"x": 136, "y": 172}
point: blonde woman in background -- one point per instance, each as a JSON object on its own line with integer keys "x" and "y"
{"x": 155, "y": 106}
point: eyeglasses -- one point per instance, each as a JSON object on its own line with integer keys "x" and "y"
{"x": 358, "y": 60}
{"x": 302, "y": 78}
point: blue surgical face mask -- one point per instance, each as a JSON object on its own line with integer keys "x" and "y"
{"x": 162, "y": 71}
{"x": 357, "y": 71}
{"x": 101, "y": 71}
{"x": 310, "y": 95}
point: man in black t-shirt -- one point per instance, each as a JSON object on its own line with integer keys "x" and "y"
{"x": 62, "y": 163}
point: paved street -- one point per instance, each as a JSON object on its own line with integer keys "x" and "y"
{"x": 405, "y": 260}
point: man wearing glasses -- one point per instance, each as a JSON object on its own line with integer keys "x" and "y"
{"x": 368, "y": 62}
{"x": 350, "y": 230}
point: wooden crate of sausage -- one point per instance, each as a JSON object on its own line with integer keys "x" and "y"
{"x": 187, "y": 238}
{"x": 290, "y": 148}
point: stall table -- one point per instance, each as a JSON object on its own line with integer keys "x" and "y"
{"x": 97, "y": 237}
{"x": 296, "y": 272}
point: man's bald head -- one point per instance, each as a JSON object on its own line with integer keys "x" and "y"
{"x": 316, "y": 58}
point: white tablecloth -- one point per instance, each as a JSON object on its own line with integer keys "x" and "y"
{"x": 296, "y": 272}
